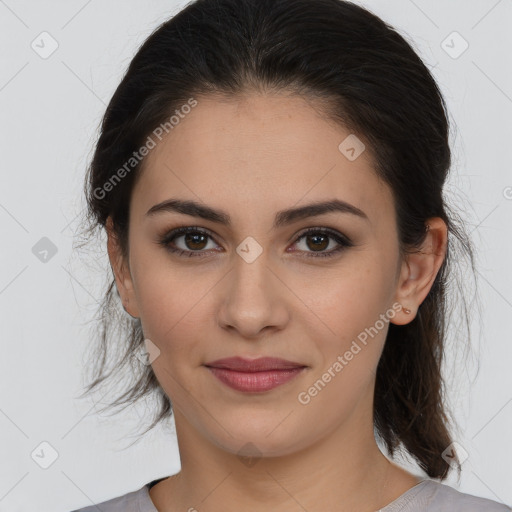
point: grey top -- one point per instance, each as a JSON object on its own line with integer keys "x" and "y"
{"x": 427, "y": 496}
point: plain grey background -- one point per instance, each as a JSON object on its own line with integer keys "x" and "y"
{"x": 50, "y": 107}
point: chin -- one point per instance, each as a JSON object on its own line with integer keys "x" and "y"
{"x": 264, "y": 442}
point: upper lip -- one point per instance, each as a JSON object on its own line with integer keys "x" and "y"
{"x": 254, "y": 365}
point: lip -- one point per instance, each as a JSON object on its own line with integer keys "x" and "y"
{"x": 261, "y": 364}
{"x": 254, "y": 375}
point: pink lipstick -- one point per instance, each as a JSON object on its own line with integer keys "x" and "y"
{"x": 254, "y": 375}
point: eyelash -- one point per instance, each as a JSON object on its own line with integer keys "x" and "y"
{"x": 175, "y": 233}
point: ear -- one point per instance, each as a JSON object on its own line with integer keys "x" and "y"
{"x": 419, "y": 271}
{"x": 121, "y": 270}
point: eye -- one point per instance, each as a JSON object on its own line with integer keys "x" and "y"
{"x": 194, "y": 242}
{"x": 319, "y": 239}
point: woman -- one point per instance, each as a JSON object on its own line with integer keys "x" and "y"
{"x": 270, "y": 177}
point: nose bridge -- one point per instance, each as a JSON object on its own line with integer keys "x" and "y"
{"x": 250, "y": 276}
{"x": 250, "y": 264}
{"x": 252, "y": 301}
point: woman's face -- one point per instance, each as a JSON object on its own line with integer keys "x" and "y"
{"x": 255, "y": 286}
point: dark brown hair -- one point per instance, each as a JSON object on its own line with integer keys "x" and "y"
{"x": 366, "y": 77}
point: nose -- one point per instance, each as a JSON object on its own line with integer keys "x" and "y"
{"x": 254, "y": 299}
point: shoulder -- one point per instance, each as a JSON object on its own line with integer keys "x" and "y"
{"x": 435, "y": 496}
{"x": 135, "y": 501}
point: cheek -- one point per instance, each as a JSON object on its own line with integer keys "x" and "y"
{"x": 172, "y": 313}
{"x": 353, "y": 298}
{"x": 172, "y": 303}
{"x": 164, "y": 295}
{"x": 355, "y": 309}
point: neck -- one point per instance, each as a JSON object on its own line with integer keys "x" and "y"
{"x": 345, "y": 471}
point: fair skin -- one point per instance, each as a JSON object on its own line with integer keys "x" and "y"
{"x": 252, "y": 157}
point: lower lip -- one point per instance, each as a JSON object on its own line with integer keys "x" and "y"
{"x": 254, "y": 381}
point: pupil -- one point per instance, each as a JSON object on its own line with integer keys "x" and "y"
{"x": 190, "y": 239}
{"x": 316, "y": 244}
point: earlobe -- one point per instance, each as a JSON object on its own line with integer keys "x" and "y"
{"x": 419, "y": 271}
{"x": 121, "y": 271}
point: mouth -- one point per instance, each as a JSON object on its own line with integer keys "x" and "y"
{"x": 263, "y": 364}
{"x": 254, "y": 375}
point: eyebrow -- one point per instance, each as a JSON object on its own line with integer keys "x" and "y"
{"x": 282, "y": 218}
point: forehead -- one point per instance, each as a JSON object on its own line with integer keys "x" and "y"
{"x": 273, "y": 150}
